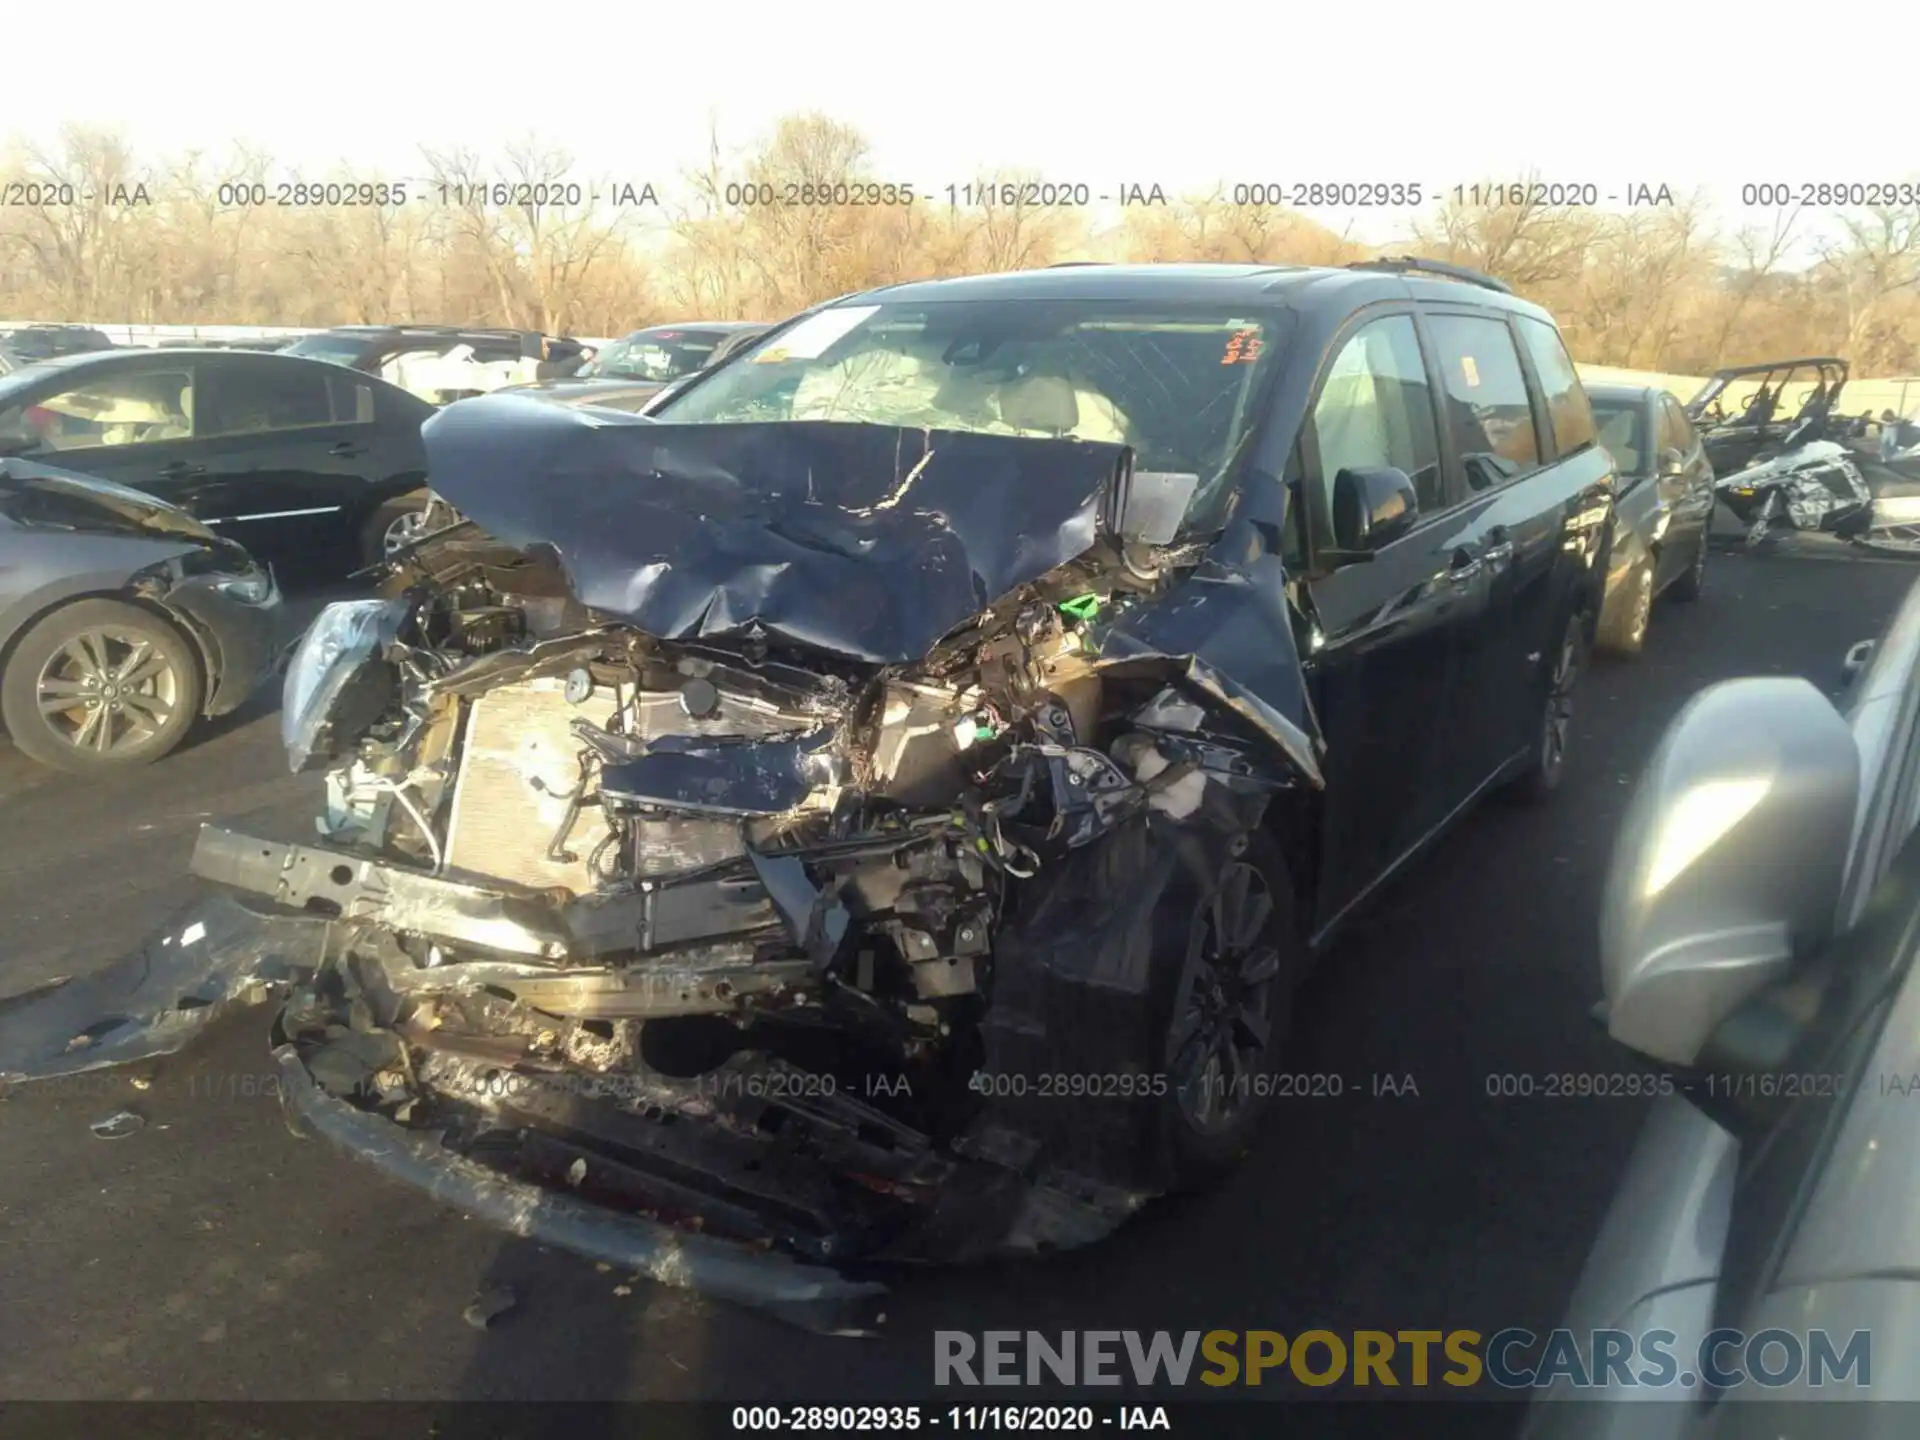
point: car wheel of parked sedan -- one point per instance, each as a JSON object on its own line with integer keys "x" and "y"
{"x": 1689, "y": 585}
{"x": 1548, "y": 764}
{"x": 1623, "y": 627}
{"x": 100, "y": 686}
{"x": 394, "y": 526}
{"x": 1232, "y": 1008}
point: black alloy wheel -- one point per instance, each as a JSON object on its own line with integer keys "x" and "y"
{"x": 1231, "y": 1012}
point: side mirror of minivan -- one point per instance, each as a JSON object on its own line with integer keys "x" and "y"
{"x": 1729, "y": 864}
{"x": 1372, "y": 507}
{"x": 1672, "y": 463}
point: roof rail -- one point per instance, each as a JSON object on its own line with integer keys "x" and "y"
{"x": 1414, "y": 264}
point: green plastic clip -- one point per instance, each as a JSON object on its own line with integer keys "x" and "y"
{"x": 1081, "y": 607}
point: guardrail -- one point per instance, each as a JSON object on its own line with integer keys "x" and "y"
{"x": 151, "y": 335}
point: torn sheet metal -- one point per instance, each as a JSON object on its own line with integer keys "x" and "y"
{"x": 1229, "y": 634}
{"x": 868, "y": 542}
{"x": 812, "y": 1296}
{"x": 213, "y": 955}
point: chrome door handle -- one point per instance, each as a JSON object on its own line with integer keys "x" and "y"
{"x": 1465, "y": 566}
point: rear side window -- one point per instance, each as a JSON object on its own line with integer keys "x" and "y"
{"x": 1567, "y": 404}
{"x": 249, "y": 400}
{"x": 1485, "y": 399}
{"x": 352, "y": 401}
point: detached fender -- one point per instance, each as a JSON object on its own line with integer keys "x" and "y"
{"x": 1227, "y": 631}
{"x": 213, "y": 955}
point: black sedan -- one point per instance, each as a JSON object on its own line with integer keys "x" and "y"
{"x": 44, "y": 342}
{"x": 313, "y": 468}
{"x": 1661, "y": 515}
{"x": 122, "y": 621}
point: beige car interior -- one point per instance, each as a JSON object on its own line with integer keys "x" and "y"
{"x": 1617, "y": 436}
{"x": 894, "y": 387}
{"x": 128, "y": 411}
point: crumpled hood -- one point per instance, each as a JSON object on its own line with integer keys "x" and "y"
{"x": 39, "y": 496}
{"x": 868, "y": 542}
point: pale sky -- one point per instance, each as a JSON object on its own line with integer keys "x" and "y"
{"x": 1181, "y": 95}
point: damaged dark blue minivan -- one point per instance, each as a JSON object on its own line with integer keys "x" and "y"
{"x": 878, "y": 806}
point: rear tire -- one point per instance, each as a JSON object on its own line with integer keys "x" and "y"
{"x": 130, "y": 680}
{"x": 1689, "y": 585}
{"x": 1232, "y": 1007}
{"x": 1623, "y": 624}
{"x": 396, "y": 522}
{"x": 1548, "y": 763}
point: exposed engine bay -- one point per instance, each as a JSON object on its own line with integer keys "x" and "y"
{"x": 780, "y": 943}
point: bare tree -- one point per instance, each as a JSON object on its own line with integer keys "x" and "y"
{"x": 801, "y": 216}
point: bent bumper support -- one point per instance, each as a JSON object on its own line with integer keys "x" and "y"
{"x": 352, "y": 887}
{"x": 811, "y": 1296}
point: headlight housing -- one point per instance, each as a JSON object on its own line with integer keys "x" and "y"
{"x": 253, "y": 588}
{"x": 337, "y": 683}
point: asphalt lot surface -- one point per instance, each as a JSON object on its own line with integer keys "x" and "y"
{"x": 212, "y": 1255}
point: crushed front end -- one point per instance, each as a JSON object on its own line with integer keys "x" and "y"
{"x": 679, "y": 948}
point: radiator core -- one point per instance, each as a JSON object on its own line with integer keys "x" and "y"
{"x": 518, "y": 765}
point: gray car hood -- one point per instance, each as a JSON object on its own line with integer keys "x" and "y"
{"x": 40, "y": 497}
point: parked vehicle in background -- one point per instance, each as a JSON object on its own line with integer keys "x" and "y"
{"x": 266, "y": 343}
{"x": 1663, "y": 508}
{"x": 312, "y": 468}
{"x": 44, "y": 342}
{"x": 1738, "y": 429}
{"x": 122, "y": 620}
{"x": 441, "y": 363}
{"x": 1047, "y": 665}
{"x": 638, "y": 368}
{"x": 1757, "y": 944}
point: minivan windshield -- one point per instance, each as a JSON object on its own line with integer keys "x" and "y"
{"x": 1180, "y": 384}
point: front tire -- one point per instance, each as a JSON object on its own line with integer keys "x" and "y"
{"x": 394, "y": 525}
{"x": 1231, "y": 1010}
{"x": 100, "y": 686}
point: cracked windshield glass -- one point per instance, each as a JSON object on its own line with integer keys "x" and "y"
{"x": 1178, "y": 385}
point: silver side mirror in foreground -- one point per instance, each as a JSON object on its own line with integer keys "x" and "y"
{"x": 1729, "y": 862}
